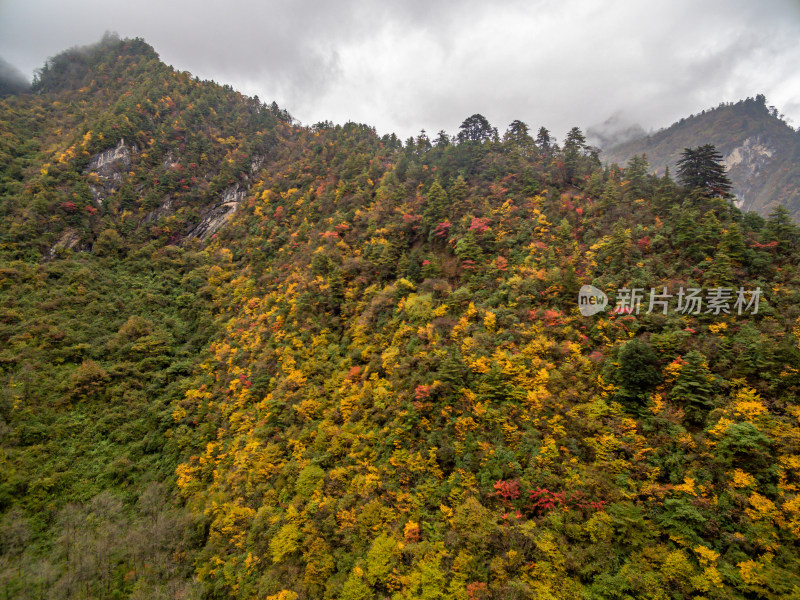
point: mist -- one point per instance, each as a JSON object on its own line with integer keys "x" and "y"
{"x": 402, "y": 67}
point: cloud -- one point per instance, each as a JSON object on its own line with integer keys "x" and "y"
{"x": 404, "y": 66}
{"x": 614, "y": 130}
{"x": 11, "y": 79}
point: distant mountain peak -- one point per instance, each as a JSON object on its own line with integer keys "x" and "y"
{"x": 761, "y": 151}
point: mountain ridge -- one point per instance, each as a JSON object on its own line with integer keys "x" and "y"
{"x": 761, "y": 152}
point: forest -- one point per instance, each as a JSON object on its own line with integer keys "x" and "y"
{"x": 373, "y": 379}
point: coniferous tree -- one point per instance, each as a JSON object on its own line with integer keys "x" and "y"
{"x": 693, "y": 388}
{"x": 436, "y": 204}
{"x": 781, "y": 229}
{"x": 733, "y": 243}
{"x": 423, "y": 142}
{"x": 379, "y": 351}
{"x": 701, "y": 169}
{"x": 457, "y": 195}
{"x": 665, "y": 189}
{"x": 635, "y": 372}
{"x": 476, "y": 129}
{"x": 543, "y": 140}
{"x": 574, "y": 149}
{"x": 517, "y": 132}
{"x": 636, "y": 174}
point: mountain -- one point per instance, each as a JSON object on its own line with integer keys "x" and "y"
{"x": 245, "y": 358}
{"x": 762, "y": 153}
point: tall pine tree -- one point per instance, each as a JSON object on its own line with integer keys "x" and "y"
{"x": 701, "y": 169}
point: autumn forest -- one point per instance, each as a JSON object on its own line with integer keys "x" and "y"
{"x": 242, "y": 357}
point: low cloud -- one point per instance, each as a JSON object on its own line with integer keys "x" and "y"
{"x": 405, "y": 66}
{"x": 12, "y": 80}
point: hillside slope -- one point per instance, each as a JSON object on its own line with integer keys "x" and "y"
{"x": 762, "y": 153}
{"x": 112, "y": 135}
{"x": 252, "y": 359}
{"x": 108, "y": 170}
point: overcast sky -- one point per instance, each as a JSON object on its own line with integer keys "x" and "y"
{"x": 407, "y": 65}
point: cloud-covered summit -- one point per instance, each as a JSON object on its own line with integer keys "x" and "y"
{"x": 412, "y": 65}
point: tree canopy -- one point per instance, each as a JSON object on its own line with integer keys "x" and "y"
{"x": 476, "y": 129}
{"x": 702, "y": 169}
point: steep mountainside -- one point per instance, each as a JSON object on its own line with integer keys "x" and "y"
{"x": 106, "y": 168}
{"x": 111, "y": 134}
{"x": 762, "y": 153}
{"x": 243, "y": 358}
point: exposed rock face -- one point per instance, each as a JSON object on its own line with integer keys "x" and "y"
{"x": 744, "y": 164}
{"x": 752, "y": 151}
{"x": 109, "y": 166}
{"x": 169, "y": 161}
{"x": 121, "y": 153}
{"x": 69, "y": 239}
{"x": 161, "y": 210}
{"x": 219, "y": 214}
{"x": 256, "y": 163}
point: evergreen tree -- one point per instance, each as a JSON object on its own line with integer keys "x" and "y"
{"x": 457, "y": 194}
{"x": 637, "y": 372}
{"x": 543, "y": 140}
{"x": 452, "y": 371}
{"x": 693, "y": 388}
{"x": 665, "y": 189}
{"x": 701, "y": 169}
{"x": 575, "y": 140}
{"x": 636, "y": 173}
{"x": 423, "y": 142}
{"x": 476, "y": 129}
{"x": 733, "y": 243}
{"x": 782, "y": 229}
{"x": 436, "y": 205}
{"x": 574, "y": 149}
{"x": 611, "y": 193}
{"x": 720, "y": 271}
{"x": 517, "y": 132}
{"x": 707, "y": 236}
